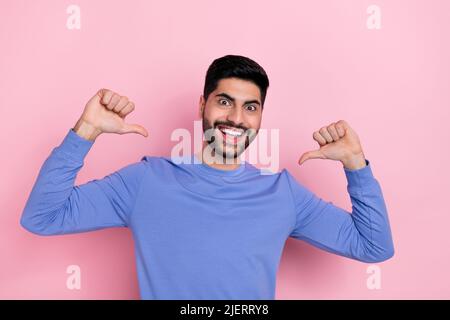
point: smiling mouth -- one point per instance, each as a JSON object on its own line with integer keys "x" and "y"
{"x": 230, "y": 134}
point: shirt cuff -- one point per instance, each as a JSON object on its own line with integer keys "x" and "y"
{"x": 75, "y": 146}
{"x": 359, "y": 177}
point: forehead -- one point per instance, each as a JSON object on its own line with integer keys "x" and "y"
{"x": 239, "y": 89}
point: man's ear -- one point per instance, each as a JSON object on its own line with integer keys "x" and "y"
{"x": 201, "y": 106}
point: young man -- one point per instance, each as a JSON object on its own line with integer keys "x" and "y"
{"x": 213, "y": 227}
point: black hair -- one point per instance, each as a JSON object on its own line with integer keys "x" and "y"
{"x": 235, "y": 66}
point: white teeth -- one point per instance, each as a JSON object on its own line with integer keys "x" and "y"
{"x": 232, "y": 132}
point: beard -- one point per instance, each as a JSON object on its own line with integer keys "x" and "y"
{"x": 225, "y": 147}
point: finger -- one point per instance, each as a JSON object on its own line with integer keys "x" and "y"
{"x": 318, "y": 137}
{"x": 114, "y": 100}
{"x": 121, "y": 104}
{"x": 340, "y": 129}
{"x": 343, "y": 123}
{"x": 324, "y": 132}
{"x": 106, "y": 96}
{"x": 134, "y": 128}
{"x": 333, "y": 132}
{"x": 127, "y": 109}
{"x": 315, "y": 154}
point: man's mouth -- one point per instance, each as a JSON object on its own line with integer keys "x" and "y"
{"x": 230, "y": 134}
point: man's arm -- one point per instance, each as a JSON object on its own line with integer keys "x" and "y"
{"x": 56, "y": 206}
{"x": 364, "y": 234}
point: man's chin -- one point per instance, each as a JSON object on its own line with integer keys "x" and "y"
{"x": 229, "y": 153}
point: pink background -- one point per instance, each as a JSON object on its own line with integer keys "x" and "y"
{"x": 392, "y": 85}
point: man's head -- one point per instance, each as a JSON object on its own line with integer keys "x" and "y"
{"x": 232, "y": 103}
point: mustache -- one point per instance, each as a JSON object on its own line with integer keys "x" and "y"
{"x": 229, "y": 124}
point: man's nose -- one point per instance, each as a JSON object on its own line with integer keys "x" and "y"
{"x": 236, "y": 116}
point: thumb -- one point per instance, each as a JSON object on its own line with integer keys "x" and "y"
{"x": 315, "y": 154}
{"x": 134, "y": 128}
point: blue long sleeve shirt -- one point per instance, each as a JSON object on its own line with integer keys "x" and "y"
{"x": 201, "y": 232}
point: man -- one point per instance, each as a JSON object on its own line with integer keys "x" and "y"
{"x": 213, "y": 227}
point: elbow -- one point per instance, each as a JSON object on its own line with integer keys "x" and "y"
{"x": 31, "y": 227}
{"x": 380, "y": 256}
{"x": 25, "y": 223}
{"x": 385, "y": 256}
{"x": 387, "y": 252}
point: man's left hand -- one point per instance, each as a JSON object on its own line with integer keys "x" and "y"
{"x": 338, "y": 141}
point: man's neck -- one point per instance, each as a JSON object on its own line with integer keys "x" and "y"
{"x": 216, "y": 161}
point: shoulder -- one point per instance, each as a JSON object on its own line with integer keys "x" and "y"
{"x": 159, "y": 161}
{"x": 160, "y": 165}
{"x": 298, "y": 190}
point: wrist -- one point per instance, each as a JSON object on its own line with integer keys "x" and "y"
{"x": 86, "y": 130}
{"x": 354, "y": 162}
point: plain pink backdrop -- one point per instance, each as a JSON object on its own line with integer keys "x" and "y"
{"x": 392, "y": 85}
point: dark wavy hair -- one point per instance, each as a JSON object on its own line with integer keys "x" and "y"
{"x": 235, "y": 66}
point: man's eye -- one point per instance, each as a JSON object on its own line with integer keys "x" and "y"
{"x": 224, "y": 102}
{"x": 251, "y": 108}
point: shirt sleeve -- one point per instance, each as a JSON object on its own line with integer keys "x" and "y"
{"x": 56, "y": 206}
{"x": 363, "y": 234}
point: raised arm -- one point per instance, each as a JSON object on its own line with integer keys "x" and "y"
{"x": 363, "y": 234}
{"x": 56, "y": 205}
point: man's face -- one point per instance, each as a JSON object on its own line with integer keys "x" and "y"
{"x": 231, "y": 117}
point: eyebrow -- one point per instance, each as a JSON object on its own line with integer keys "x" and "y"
{"x": 223, "y": 94}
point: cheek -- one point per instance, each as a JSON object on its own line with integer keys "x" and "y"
{"x": 215, "y": 115}
{"x": 208, "y": 115}
{"x": 211, "y": 112}
{"x": 254, "y": 123}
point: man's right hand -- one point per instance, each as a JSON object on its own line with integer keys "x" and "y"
{"x": 105, "y": 112}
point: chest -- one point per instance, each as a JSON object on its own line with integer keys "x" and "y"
{"x": 244, "y": 221}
